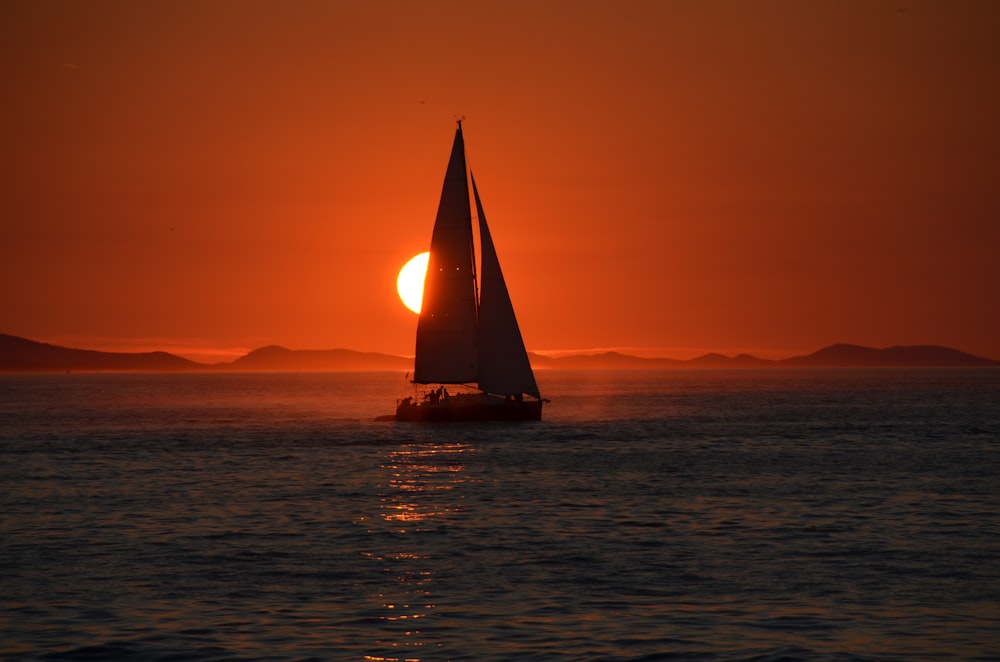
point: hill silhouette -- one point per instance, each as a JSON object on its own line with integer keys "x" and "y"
{"x": 619, "y": 361}
{"x": 23, "y": 355}
{"x": 277, "y": 358}
{"x": 917, "y": 356}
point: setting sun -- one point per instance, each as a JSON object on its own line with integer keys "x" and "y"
{"x": 410, "y": 282}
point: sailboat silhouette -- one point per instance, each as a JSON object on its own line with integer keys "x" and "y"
{"x": 467, "y": 333}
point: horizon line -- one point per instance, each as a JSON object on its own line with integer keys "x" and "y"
{"x": 188, "y": 348}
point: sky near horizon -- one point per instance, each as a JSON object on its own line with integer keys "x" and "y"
{"x": 668, "y": 178}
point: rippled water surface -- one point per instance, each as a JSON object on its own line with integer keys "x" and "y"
{"x": 652, "y": 515}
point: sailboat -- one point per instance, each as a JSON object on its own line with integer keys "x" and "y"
{"x": 467, "y": 333}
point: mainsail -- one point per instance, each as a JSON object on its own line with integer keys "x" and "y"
{"x": 446, "y": 332}
{"x": 465, "y": 336}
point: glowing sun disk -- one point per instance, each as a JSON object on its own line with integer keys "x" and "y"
{"x": 410, "y": 282}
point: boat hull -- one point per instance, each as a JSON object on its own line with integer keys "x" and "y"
{"x": 459, "y": 408}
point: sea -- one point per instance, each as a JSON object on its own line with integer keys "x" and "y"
{"x": 836, "y": 514}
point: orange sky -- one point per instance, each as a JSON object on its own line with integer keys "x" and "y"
{"x": 671, "y": 177}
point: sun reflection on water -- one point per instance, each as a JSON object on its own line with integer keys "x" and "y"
{"x": 421, "y": 495}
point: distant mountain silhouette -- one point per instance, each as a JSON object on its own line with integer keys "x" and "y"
{"x": 275, "y": 357}
{"x": 23, "y": 355}
{"x": 917, "y": 356}
{"x": 714, "y": 360}
{"x": 619, "y": 361}
{"x": 602, "y": 361}
{"x": 834, "y": 356}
